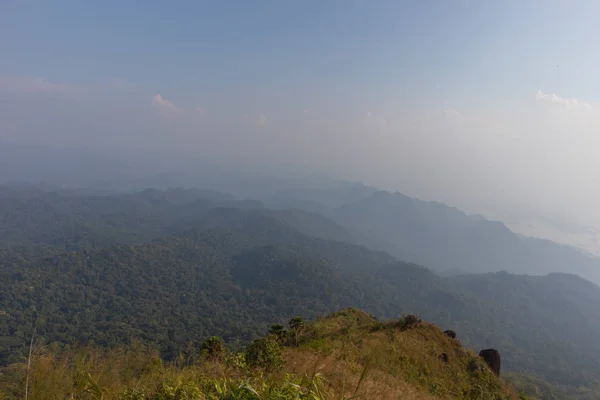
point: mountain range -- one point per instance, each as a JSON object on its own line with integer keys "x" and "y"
{"x": 173, "y": 267}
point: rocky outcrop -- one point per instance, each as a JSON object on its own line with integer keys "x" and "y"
{"x": 410, "y": 321}
{"x": 492, "y": 359}
{"x": 450, "y": 334}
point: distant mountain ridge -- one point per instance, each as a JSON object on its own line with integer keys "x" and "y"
{"x": 427, "y": 233}
{"x": 30, "y": 216}
{"x": 445, "y": 238}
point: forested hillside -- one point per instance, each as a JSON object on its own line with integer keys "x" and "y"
{"x": 32, "y": 217}
{"x": 173, "y": 268}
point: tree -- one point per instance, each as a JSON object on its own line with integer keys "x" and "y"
{"x": 297, "y": 326}
{"x": 213, "y": 348}
{"x": 278, "y": 331}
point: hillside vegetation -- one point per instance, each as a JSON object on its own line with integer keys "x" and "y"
{"x": 346, "y": 355}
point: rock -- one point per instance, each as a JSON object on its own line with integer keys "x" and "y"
{"x": 450, "y": 334}
{"x": 411, "y": 320}
{"x": 444, "y": 357}
{"x": 492, "y": 359}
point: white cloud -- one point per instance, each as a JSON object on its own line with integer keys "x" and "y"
{"x": 454, "y": 115}
{"x": 200, "y": 110}
{"x": 40, "y": 86}
{"x": 262, "y": 119}
{"x": 166, "y": 106}
{"x": 568, "y": 103}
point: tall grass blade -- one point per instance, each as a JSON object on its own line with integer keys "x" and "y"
{"x": 29, "y": 365}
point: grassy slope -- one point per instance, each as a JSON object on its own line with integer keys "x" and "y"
{"x": 345, "y": 354}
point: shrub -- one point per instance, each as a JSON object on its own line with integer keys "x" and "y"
{"x": 213, "y": 348}
{"x": 236, "y": 360}
{"x": 264, "y": 353}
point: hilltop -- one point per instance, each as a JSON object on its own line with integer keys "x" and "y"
{"x": 345, "y": 355}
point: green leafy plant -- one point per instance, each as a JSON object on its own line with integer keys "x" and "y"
{"x": 264, "y": 353}
{"x": 213, "y": 348}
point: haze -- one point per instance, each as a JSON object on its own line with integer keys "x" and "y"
{"x": 489, "y": 106}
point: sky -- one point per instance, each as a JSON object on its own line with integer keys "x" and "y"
{"x": 475, "y": 103}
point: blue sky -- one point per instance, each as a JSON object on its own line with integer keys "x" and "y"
{"x": 388, "y": 51}
{"x": 448, "y": 90}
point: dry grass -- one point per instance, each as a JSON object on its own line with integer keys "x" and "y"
{"x": 343, "y": 378}
{"x": 401, "y": 363}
